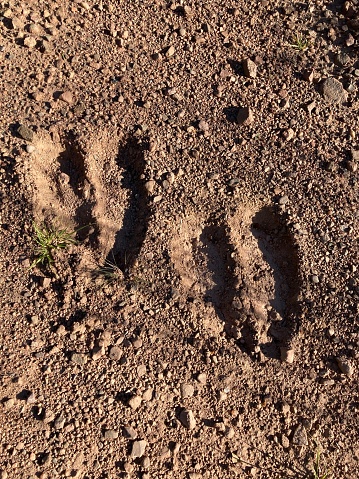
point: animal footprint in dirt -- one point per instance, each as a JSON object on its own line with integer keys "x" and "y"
{"x": 246, "y": 268}
{"x": 93, "y": 183}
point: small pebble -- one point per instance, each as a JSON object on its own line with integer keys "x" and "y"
{"x": 9, "y": 403}
{"x": 115, "y": 353}
{"x": 25, "y": 133}
{"x": 67, "y": 97}
{"x": 135, "y": 402}
{"x": 110, "y": 434}
{"x": 345, "y": 366}
{"x": 30, "y": 148}
{"x": 288, "y": 134}
{"x": 150, "y": 186}
{"x": 300, "y": 437}
{"x": 333, "y": 91}
{"x": 203, "y": 125}
{"x": 79, "y": 358}
{"x": 128, "y": 467}
{"x": 187, "y": 390}
{"x": 352, "y": 166}
{"x": 187, "y": 419}
{"x": 138, "y": 448}
{"x": 287, "y": 355}
{"x": 285, "y": 441}
{"x": 250, "y": 68}
{"x": 148, "y": 394}
{"x": 170, "y": 51}
{"x": 97, "y": 352}
{"x": 202, "y": 378}
{"x": 283, "y": 200}
{"x": 30, "y": 42}
{"x": 59, "y": 422}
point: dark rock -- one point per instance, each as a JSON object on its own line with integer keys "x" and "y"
{"x": 333, "y": 91}
{"x": 25, "y": 133}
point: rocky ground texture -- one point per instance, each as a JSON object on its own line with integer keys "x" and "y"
{"x": 205, "y": 321}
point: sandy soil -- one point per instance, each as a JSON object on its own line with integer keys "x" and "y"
{"x": 205, "y": 156}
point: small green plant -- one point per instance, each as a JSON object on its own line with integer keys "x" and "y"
{"x": 50, "y": 239}
{"x": 109, "y": 271}
{"x": 318, "y": 468}
{"x": 300, "y": 43}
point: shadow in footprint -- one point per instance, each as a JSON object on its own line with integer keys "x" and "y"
{"x": 227, "y": 291}
{"x": 280, "y": 252}
{"x": 130, "y": 237}
{"x": 72, "y": 165}
{"x": 241, "y": 291}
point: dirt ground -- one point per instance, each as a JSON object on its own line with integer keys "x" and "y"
{"x": 205, "y": 322}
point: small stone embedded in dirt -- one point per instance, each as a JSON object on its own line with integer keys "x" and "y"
{"x": 31, "y": 399}
{"x": 187, "y": 419}
{"x": 138, "y": 449}
{"x": 345, "y": 366}
{"x": 128, "y": 468}
{"x": 310, "y": 107}
{"x": 30, "y": 42}
{"x": 245, "y": 116}
{"x": 229, "y": 432}
{"x": 137, "y": 343}
{"x": 351, "y": 166}
{"x": 250, "y": 68}
{"x": 49, "y": 416}
{"x": 129, "y": 432}
{"x": 115, "y": 353}
{"x": 67, "y": 97}
{"x": 141, "y": 370}
{"x": 187, "y": 390}
{"x": 288, "y": 134}
{"x": 9, "y": 403}
{"x": 150, "y": 186}
{"x": 170, "y": 51}
{"x": 283, "y": 200}
{"x": 135, "y": 402}
{"x": 79, "y": 358}
{"x": 202, "y": 378}
{"x": 110, "y": 434}
{"x": 333, "y": 91}
{"x": 17, "y": 23}
{"x": 97, "y": 352}
{"x": 148, "y": 394}
{"x": 355, "y": 155}
{"x": 203, "y": 125}
{"x": 59, "y": 422}
{"x": 34, "y": 28}
{"x": 308, "y": 75}
{"x": 300, "y": 437}
{"x": 30, "y": 148}
{"x": 25, "y": 133}
{"x": 45, "y": 282}
{"x": 287, "y": 355}
{"x": 285, "y": 441}
{"x": 146, "y": 463}
{"x": 341, "y": 59}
